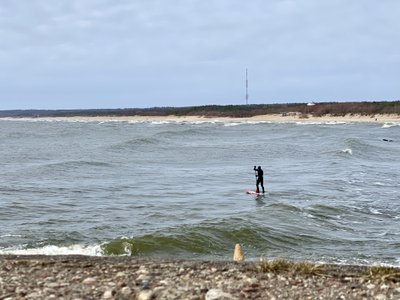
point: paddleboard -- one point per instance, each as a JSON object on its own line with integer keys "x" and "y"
{"x": 254, "y": 193}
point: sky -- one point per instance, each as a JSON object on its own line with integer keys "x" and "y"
{"x": 78, "y": 54}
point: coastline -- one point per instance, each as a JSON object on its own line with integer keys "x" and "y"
{"x": 272, "y": 118}
{"x": 86, "y": 277}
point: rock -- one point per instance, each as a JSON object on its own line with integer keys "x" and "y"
{"x": 143, "y": 277}
{"x": 89, "y": 281}
{"x": 238, "y": 255}
{"x": 108, "y": 294}
{"x": 217, "y": 294}
{"x": 120, "y": 274}
{"x": 126, "y": 291}
{"x": 380, "y": 297}
{"x": 145, "y": 295}
{"x": 142, "y": 270}
{"x": 53, "y": 285}
{"x": 252, "y": 281}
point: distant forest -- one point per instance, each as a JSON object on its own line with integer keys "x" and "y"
{"x": 238, "y": 111}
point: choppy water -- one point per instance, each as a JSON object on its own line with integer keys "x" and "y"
{"x": 178, "y": 189}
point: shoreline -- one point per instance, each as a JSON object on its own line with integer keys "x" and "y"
{"x": 84, "y": 277}
{"x": 272, "y": 118}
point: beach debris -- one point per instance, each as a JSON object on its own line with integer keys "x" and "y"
{"x": 238, "y": 255}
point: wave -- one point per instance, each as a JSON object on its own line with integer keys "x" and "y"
{"x": 133, "y": 144}
{"x": 211, "y": 241}
{"x": 216, "y": 241}
{"x": 321, "y": 123}
{"x": 76, "y": 164}
{"x": 365, "y": 149}
{"x": 56, "y": 250}
{"x": 391, "y": 124}
{"x": 347, "y": 151}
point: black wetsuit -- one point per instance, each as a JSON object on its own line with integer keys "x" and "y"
{"x": 260, "y": 179}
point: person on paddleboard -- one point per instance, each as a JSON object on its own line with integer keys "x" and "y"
{"x": 260, "y": 178}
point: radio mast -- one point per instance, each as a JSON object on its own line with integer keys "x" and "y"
{"x": 247, "y": 89}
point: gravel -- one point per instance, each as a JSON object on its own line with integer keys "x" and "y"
{"x": 86, "y": 277}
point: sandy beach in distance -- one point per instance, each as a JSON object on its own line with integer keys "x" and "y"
{"x": 295, "y": 118}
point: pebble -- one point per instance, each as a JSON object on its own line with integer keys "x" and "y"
{"x": 53, "y": 285}
{"x": 145, "y": 295}
{"x": 86, "y": 278}
{"x": 108, "y": 294}
{"x": 89, "y": 281}
{"x": 120, "y": 274}
{"x": 384, "y": 287}
{"x": 126, "y": 291}
{"x": 142, "y": 270}
{"x": 217, "y": 294}
{"x": 252, "y": 281}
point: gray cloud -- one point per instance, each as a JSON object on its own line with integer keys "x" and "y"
{"x": 101, "y": 53}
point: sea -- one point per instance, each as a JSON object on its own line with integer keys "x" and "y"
{"x": 178, "y": 189}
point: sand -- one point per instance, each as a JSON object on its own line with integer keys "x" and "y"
{"x": 290, "y": 118}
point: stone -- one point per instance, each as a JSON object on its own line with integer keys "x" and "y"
{"x": 143, "y": 277}
{"x": 145, "y": 295}
{"x": 89, "y": 281}
{"x": 217, "y": 294}
{"x": 120, "y": 274}
{"x": 108, "y": 294}
{"x": 238, "y": 255}
{"x": 126, "y": 291}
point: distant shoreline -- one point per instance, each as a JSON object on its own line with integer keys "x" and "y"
{"x": 272, "y": 118}
{"x": 342, "y": 110}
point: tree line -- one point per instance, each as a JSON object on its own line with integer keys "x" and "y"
{"x": 238, "y": 111}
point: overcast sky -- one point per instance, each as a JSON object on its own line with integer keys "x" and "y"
{"x": 142, "y": 53}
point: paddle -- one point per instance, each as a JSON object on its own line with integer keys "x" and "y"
{"x": 255, "y": 173}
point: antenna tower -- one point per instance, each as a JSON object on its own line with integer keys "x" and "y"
{"x": 247, "y": 89}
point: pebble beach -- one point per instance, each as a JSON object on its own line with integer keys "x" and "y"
{"x": 86, "y": 277}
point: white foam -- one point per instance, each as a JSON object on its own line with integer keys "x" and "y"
{"x": 348, "y": 151}
{"x": 56, "y": 250}
{"x": 374, "y": 211}
{"x": 390, "y": 124}
{"x": 232, "y": 124}
{"x": 321, "y": 123}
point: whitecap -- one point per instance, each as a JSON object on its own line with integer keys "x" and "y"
{"x": 56, "y": 250}
{"x": 375, "y": 211}
{"x": 320, "y": 123}
{"x": 347, "y": 151}
{"x": 232, "y": 124}
{"x": 390, "y": 124}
